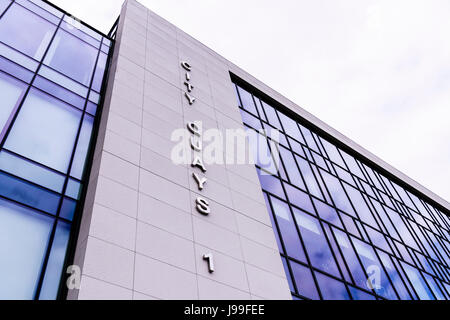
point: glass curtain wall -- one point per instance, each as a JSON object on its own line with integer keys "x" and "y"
{"x": 51, "y": 74}
{"x": 344, "y": 229}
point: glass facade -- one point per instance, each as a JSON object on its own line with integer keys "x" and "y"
{"x": 52, "y": 69}
{"x": 344, "y": 229}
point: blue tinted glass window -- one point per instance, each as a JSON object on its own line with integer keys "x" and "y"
{"x": 68, "y": 209}
{"x": 272, "y": 117}
{"x": 262, "y": 154}
{"x": 309, "y": 177}
{"x": 288, "y": 231}
{"x": 333, "y": 153}
{"x": 272, "y": 220}
{"x": 59, "y": 92}
{"x": 360, "y": 295}
{"x": 395, "y": 277}
{"x": 22, "y": 256}
{"x": 3, "y": 5}
{"x": 250, "y": 120}
{"x": 337, "y": 193}
{"x": 378, "y": 278}
{"x": 247, "y": 101}
{"x": 99, "y": 72}
{"x": 11, "y": 92}
{"x": 10, "y": 67}
{"x": 82, "y": 147}
{"x": 26, "y": 193}
{"x": 289, "y": 278}
{"x": 271, "y": 184}
{"x": 304, "y": 281}
{"x": 352, "y": 165}
{"x": 45, "y": 131}
{"x": 384, "y": 222}
{"x": 72, "y": 57}
{"x": 299, "y": 198}
{"x": 309, "y": 138}
{"x": 42, "y": 9}
{"x": 360, "y": 206}
{"x": 31, "y": 171}
{"x": 291, "y": 168}
{"x": 55, "y": 263}
{"x": 290, "y": 127}
{"x": 418, "y": 282}
{"x": 331, "y": 289}
{"x": 38, "y": 33}
{"x": 354, "y": 266}
{"x": 327, "y": 213}
{"x": 40, "y": 133}
{"x": 402, "y": 229}
{"x": 316, "y": 244}
{"x": 63, "y": 81}
{"x": 434, "y": 287}
{"x": 73, "y": 189}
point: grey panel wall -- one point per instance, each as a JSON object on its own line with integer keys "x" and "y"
{"x": 141, "y": 236}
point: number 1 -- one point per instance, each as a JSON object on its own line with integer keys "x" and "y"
{"x": 210, "y": 259}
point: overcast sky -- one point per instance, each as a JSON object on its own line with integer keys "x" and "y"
{"x": 376, "y": 70}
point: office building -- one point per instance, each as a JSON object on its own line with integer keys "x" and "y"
{"x": 123, "y": 175}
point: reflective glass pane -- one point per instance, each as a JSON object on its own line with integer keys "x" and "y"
{"x": 291, "y": 128}
{"x": 337, "y": 193}
{"x": 418, "y": 282}
{"x": 26, "y": 31}
{"x": 55, "y": 262}
{"x": 360, "y": 206}
{"x": 333, "y": 153}
{"x": 91, "y": 108}
{"x": 18, "y": 71}
{"x": 63, "y": 81}
{"x": 82, "y": 147}
{"x": 360, "y": 295}
{"x": 11, "y": 91}
{"x": 288, "y": 231}
{"x": 24, "y": 236}
{"x": 299, "y": 198}
{"x": 354, "y": 266}
{"x": 250, "y": 120}
{"x": 378, "y": 279}
{"x": 309, "y": 177}
{"x": 327, "y": 213}
{"x": 73, "y": 189}
{"x": 271, "y": 184}
{"x": 31, "y": 171}
{"x": 47, "y": 7}
{"x": 262, "y": 154}
{"x": 331, "y": 289}
{"x": 272, "y": 117}
{"x": 309, "y": 138}
{"x": 316, "y": 244}
{"x": 434, "y": 287}
{"x": 291, "y": 168}
{"x": 45, "y": 131}
{"x": 59, "y": 92}
{"x": 99, "y": 72}
{"x": 304, "y": 281}
{"x": 289, "y": 278}
{"x": 395, "y": 277}
{"x": 352, "y": 165}
{"x": 3, "y": 5}
{"x": 72, "y": 57}
{"x": 27, "y": 193}
{"x": 247, "y": 101}
{"x": 68, "y": 209}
